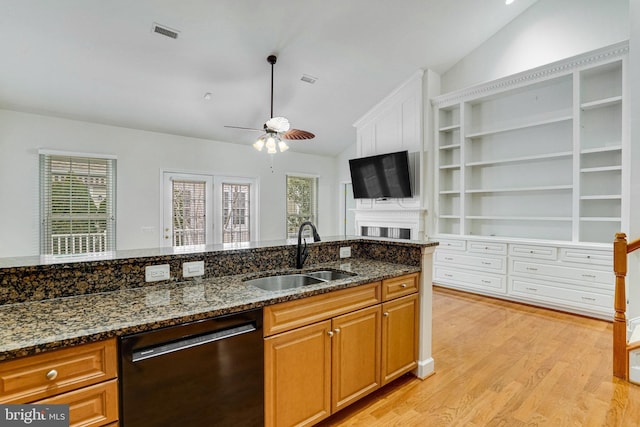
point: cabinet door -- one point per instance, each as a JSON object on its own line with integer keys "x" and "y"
{"x": 399, "y": 337}
{"x": 298, "y": 376}
{"x": 355, "y": 355}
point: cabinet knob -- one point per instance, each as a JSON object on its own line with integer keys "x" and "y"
{"x": 385, "y": 314}
{"x": 52, "y": 375}
{"x": 404, "y": 285}
{"x": 336, "y": 330}
{"x": 330, "y": 333}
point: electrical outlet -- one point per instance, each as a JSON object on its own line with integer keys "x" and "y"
{"x": 154, "y": 273}
{"x": 193, "y": 269}
{"x": 345, "y": 252}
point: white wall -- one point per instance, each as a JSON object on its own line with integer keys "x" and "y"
{"x": 141, "y": 157}
{"x": 548, "y": 31}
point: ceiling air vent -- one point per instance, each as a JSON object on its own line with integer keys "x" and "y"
{"x": 165, "y": 31}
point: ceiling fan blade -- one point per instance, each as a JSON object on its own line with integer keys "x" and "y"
{"x": 297, "y": 134}
{"x": 244, "y": 128}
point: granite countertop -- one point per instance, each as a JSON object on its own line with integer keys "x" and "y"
{"x": 34, "y": 327}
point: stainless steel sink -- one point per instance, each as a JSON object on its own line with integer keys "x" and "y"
{"x": 329, "y": 274}
{"x": 288, "y": 281}
{"x": 285, "y": 281}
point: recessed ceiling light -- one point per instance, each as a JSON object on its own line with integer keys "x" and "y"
{"x": 207, "y": 96}
{"x": 507, "y": 2}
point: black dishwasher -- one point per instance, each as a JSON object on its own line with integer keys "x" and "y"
{"x": 204, "y": 373}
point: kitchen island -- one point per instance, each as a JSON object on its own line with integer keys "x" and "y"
{"x": 61, "y": 304}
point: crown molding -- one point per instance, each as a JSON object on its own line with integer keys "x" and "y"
{"x": 555, "y": 69}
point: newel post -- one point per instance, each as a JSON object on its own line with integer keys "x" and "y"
{"x": 620, "y": 357}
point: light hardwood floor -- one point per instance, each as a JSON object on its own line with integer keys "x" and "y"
{"x": 504, "y": 364}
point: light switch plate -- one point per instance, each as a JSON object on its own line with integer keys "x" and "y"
{"x": 193, "y": 269}
{"x": 154, "y": 273}
{"x": 345, "y": 252}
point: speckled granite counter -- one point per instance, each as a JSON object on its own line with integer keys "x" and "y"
{"x": 32, "y": 327}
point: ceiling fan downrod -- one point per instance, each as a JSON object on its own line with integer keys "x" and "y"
{"x": 271, "y": 59}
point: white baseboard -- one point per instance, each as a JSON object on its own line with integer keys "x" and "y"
{"x": 425, "y": 368}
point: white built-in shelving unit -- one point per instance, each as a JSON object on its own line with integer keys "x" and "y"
{"x": 536, "y": 159}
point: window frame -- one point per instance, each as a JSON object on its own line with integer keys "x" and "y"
{"x": 313, "y": 217}
{"x": 46, "y": 182}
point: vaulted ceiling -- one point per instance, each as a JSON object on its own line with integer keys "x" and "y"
{"x": 100, "y": 61}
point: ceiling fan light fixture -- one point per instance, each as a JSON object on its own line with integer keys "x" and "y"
{"x": 271, "y": 144}
{"x": 283, "y": 146}
{"x": 259, "y": 144}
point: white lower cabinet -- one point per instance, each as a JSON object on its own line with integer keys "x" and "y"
{"x": 574, "y": 279}
{"x": 472, "y": 268}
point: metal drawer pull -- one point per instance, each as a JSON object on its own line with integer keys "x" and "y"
{"x": 532, "y": 289}
{"x": 385, "y": 314}
{"x": 336, "y": 330}
{"x": 591, "y": 276}
{"x": 485, "y": 263}
{"x": 532, "y": 269}
{"x": 486, "y": 281}
{"x": 52, "y": 375}
{"x": 448, "y": 258}
{"x": 588, "y": 299}
{"x": 404, "y": 285}
{"x": 448, "y": 275}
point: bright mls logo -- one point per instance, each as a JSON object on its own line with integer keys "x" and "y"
{"x": 34, "y": 415}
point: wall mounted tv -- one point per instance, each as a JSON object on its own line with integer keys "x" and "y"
{"x": 381, "y": 176}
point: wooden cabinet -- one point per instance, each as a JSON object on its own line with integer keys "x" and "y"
{"x": 298, "y": 376}
{"x": 324, "y": 352}
{"x": 399, "y": 337}
{"x": 355, "y": 351}
{"x": 83, "y": 377}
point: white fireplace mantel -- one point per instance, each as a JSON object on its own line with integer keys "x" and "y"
{"x": 408, "y": 218}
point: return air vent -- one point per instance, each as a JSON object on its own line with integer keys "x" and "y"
{"x": 165, "y": 31}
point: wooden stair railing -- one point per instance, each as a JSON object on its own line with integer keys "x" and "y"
{"x": 620, "y": 347}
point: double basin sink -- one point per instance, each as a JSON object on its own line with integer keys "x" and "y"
{"x": 297, "y": 280}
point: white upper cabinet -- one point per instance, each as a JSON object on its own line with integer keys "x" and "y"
{"x": 538, "y": 155}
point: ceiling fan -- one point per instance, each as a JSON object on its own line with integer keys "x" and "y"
{"x": 276, "y": 128}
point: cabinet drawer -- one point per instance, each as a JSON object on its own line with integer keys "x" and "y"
{"x": 400, "y": 286}
{"x": 469, "y": 279}
{"x": 473, "y": 262}
{"x": 456, "y": 245}
{"x": 90, "y": 406}
{"x": 559, "y": 294}
{"x": 556, "y": 272}
{"x": 26, "y": 380}
{"x": 292, "y": 314}
{"x": 586, "y": 256}
{"x": 541, "y": 252}
{"x": 487, "y": 248}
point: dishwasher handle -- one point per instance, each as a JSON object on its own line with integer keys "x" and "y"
{"x": 183, "y": 344}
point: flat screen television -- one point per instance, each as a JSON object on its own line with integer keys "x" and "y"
{"x": 381, "y": 176}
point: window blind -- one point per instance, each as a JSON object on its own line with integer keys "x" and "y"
{"x": 189, "y": 212}
{"x": 236, "y": 210}
{"x": 302, "y": 203}
{"x": 77, "y": 204}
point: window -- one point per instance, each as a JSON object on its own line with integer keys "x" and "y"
{"x": 189, "y": 203}
{"x": 301, "y": 203}
{"x": 77, "y": 204}
{"x": 204, "y": 209}
{"x": 236, "y": 213}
